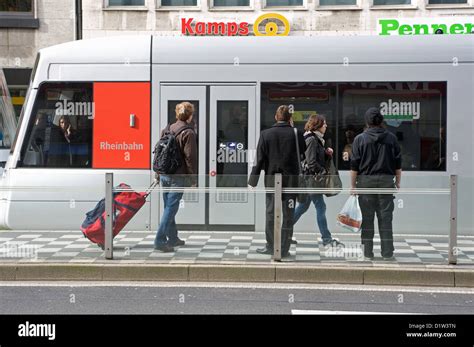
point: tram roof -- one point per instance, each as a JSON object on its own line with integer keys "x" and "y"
{"x": 265, "y": 50}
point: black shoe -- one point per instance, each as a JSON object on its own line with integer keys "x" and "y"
{"x": 391, "y": 258}
{"x": 286, "y": 254}
{"x": 164, "y": 248}
{"x": 265, "y": 250}
{"x": 178, "y": 243}
{"x": 294, "y": 242}
{"x": 368, "y": 258}
{"x": 333, "y": 243}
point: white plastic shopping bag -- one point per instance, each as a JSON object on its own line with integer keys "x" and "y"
{"x": 350, "y": 216}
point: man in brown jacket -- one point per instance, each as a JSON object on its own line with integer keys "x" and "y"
{"x": 167, "y": 236}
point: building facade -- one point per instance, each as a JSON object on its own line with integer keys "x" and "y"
{"x": 306, "y": 17}
{"x": 26, "y": 26}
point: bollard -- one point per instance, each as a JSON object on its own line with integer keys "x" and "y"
{"x": 109, "y": 215}
{"x": 277, "y": 220}
{"x": 453, "y": 222}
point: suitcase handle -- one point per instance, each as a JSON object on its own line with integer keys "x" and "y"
{"x": 150, "y": 188}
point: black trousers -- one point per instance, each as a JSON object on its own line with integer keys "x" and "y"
{"x": 381, "y": 205}
{"x": 288, "y": 211}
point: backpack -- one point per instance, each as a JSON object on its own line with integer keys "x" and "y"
{"x": 167, "y": 154}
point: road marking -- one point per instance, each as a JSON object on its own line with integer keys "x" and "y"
{"x": 219, "y": 285}
{"x": 322, "y": 312}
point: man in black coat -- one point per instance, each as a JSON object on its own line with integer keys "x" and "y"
{"x": 375, "y": 162}
{"x": 276, "y": 153}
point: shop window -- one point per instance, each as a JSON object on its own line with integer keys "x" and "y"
{"x": 178, "y": 3}
{"x": 18, "y": 14}
{"x": 126, "y": 2}
{"x": 337, "y": 2}
{"x": 16, "y": 6}
{"x": 231, "y": 3}
{"x": 391, "y": 2}
{"x": 440, "y": 2}
{"x": 59, "y": 134}
{"x": 283, "y": 3}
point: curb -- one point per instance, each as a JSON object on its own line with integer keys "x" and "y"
{"x": 445, "y": 277}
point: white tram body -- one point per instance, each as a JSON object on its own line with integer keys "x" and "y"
{"x": 120, "y": 92}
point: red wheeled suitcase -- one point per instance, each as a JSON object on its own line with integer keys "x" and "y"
{"x": 126, "y": 204}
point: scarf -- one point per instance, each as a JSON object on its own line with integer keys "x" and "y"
{"x": 320, "y": 136}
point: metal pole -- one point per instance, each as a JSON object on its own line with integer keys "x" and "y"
{"x": 277, "y": 220}
{"x": 453, "y": 223}
{"x": 109, "y": 214}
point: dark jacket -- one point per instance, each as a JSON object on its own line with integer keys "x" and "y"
{"x": 316, "y": 156}
{"x": 188, "y": 145}
{"x": 276, "y": 153}
{"x": 376, "y": 153}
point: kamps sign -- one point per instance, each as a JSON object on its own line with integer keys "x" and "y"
{"x": 270, "y": 24}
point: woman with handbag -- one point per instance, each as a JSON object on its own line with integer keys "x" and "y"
{"x": 316, "y": 157}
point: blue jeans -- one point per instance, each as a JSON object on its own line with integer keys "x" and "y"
{"x": 167, "y": 231}
{"x": 318, "y": 201}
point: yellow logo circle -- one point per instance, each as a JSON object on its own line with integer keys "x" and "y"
{"x": 271, "y": 28}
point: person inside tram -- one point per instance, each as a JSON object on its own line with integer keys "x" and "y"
{"x": 61, "y": 137}
{"x": 437, "y": 155}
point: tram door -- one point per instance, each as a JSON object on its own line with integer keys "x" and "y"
{"x": 224, "y": 121}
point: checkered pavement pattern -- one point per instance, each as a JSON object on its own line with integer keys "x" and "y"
{"x": 221, "y": 247}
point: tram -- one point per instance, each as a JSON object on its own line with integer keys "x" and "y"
{"x": 116, "y": 94}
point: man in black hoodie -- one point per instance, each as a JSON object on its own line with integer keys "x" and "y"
{"x": 375, "y": 162}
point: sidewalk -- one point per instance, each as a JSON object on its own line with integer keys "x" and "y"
{"x": 231, "y": 256}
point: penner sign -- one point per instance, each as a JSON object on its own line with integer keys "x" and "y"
{"x": 425, "y": 26}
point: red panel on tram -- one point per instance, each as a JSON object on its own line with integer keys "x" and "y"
{"x": 121, "y": 125}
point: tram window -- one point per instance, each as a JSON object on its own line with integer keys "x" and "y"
{"x": 306, "y": 99}
{"x": 232, "y": 143}
{"x": 413, "y": 111}
{"x": 59, "y": 133}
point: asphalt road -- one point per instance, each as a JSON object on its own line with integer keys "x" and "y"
{"x": 227, "y": 298}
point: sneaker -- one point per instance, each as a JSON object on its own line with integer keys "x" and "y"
{"x": 333, "y": 243}
{"x": 178, "y": 243}
{"x": 164, "y": 248}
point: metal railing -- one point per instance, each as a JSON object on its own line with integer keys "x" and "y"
{"x": 278, "y": 218}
